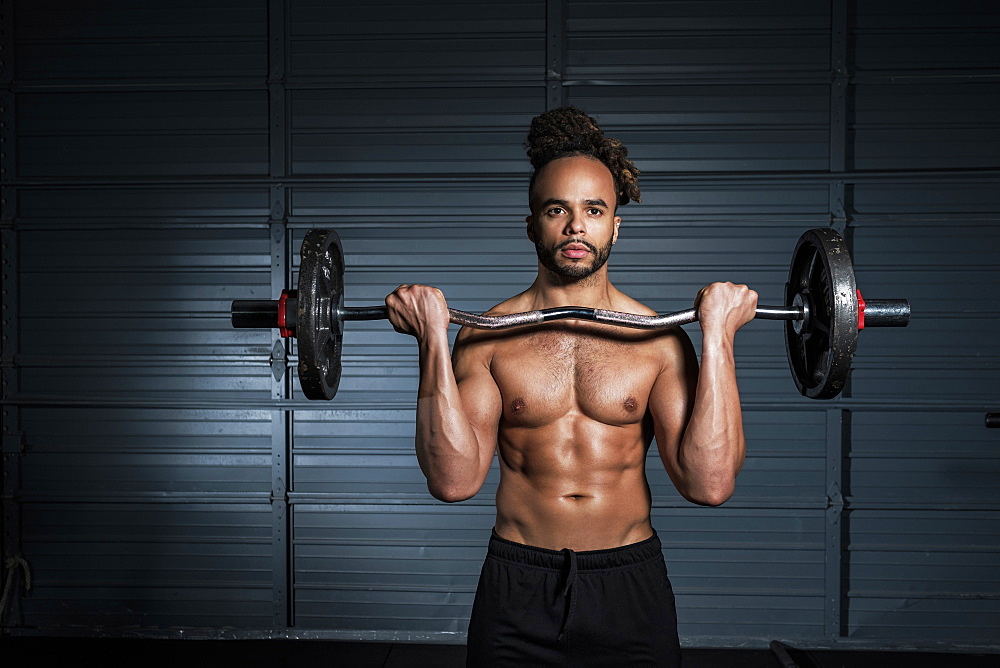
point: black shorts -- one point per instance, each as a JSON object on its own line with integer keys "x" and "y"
{"x": 538, "y": 607}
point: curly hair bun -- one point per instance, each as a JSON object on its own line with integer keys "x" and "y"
{"x": 568, "y": 131}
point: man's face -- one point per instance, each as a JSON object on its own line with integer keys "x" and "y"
{"x": 572, "y": 221}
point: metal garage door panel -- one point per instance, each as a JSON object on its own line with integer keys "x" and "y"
{"x": 935, "y": 570}
{"x": 638, "y": 40}
{"x": 420, "y": 562}
{"x": 730, "y": 565}
{"x": 923, "y": 126}
{"x": 146, "y": 312}
{"x": 430, "y": 130}
{"x": 158, "y": 207}
{"x": 785, "y": 467}
{"x": 699, "y": 128}
{"x": 128, "y": 134}
{"x": 386, "y": 42}
{"x": 939, "y": 459}
{"x": 135, "y": 43}
{"x": 147, "y": 565}
{"x": 890, "y": 39}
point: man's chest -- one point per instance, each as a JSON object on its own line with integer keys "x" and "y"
{"x": 546, "y": 375}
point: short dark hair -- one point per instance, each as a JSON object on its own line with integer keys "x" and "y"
{"x": 567, "y": 131}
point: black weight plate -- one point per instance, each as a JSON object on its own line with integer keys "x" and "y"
{"x": 820, "y": 352}
{"x": 321, "y": 290}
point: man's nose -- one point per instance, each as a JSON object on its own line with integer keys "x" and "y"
{"x": 575, "y": 224}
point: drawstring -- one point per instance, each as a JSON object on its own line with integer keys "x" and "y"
{"x": 568, "y": 589}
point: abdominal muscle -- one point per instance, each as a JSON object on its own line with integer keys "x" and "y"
{"x": 582, "y": 489}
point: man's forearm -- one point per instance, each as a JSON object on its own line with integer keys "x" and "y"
{"x": 446, "y": 444}
{"x": 712, "y": 449}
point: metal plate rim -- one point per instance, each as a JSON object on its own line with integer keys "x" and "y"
{"x": 314, "y": 326}
{"x": 843, "y": 334}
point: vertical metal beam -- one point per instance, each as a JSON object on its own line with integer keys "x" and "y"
{"x": 280, "y": 521}
{"x": 838, "y": 421}
{"x": 280, "y": 277}
{"x": 6, "y": 42}
{"x": 838, "y": 206}
{"x": 838, "y": 112}
{"x": 11, "y": 436}
{"x": 555, "y": 53}
{"x": 838, "y": 85}
{"x": 280, "y": 438}
{"x": 8, "y": 153}
{"x": 834, "y": 609}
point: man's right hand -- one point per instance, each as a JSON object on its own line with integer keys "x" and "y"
{"x": 725, "y": 307}
{"x": 418, "y": 310}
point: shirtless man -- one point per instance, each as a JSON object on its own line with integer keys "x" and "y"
{"x": 574, "y": 574}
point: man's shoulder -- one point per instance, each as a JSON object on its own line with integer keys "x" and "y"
{"x": 473, "y": 337}
{"x": 671, "y": 342}
{"x": 519, "y": 303}
{"x": 627, "y": 304}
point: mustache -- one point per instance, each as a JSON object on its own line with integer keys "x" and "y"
{"x": 591, "y": 247}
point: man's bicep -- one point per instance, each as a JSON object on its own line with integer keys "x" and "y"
{"x": 481, "y": 399}
{"x": 672, "y": 397}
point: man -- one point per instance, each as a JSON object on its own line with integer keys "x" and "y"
{"x": 574, "y": 574}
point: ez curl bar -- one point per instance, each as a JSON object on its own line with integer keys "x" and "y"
{"x": 823, "y": 314}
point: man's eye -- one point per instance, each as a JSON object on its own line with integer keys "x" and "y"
{"x": 595, "y": 212}
{"x": 556, "y": 210}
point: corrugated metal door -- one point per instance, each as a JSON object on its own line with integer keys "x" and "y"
{"x": 163, "y": 475}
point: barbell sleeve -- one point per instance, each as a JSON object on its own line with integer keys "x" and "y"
{"x": 886, "y": 313}
{"x": 254, "y": 313}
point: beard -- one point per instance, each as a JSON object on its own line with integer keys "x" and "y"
{"x": 549, "y": 257}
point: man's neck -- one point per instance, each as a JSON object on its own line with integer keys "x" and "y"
{"x": 551, "y": 290}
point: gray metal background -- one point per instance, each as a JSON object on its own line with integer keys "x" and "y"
{"x": 161, "y": 159}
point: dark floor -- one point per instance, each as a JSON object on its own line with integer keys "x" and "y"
{"x": 331, "y": 654}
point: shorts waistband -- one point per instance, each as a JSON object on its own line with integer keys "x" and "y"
{"x": 540, "y": 557}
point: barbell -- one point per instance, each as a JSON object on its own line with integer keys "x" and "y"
{"x": 824, "y": 312}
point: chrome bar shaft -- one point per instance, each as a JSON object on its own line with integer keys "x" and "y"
{"x": 631, "y": 320}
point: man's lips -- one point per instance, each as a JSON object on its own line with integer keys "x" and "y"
{"x": 575, "y": 251}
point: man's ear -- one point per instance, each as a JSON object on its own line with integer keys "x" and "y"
{"x": 614, "y": 237}
{"x": 530, "y": 220}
